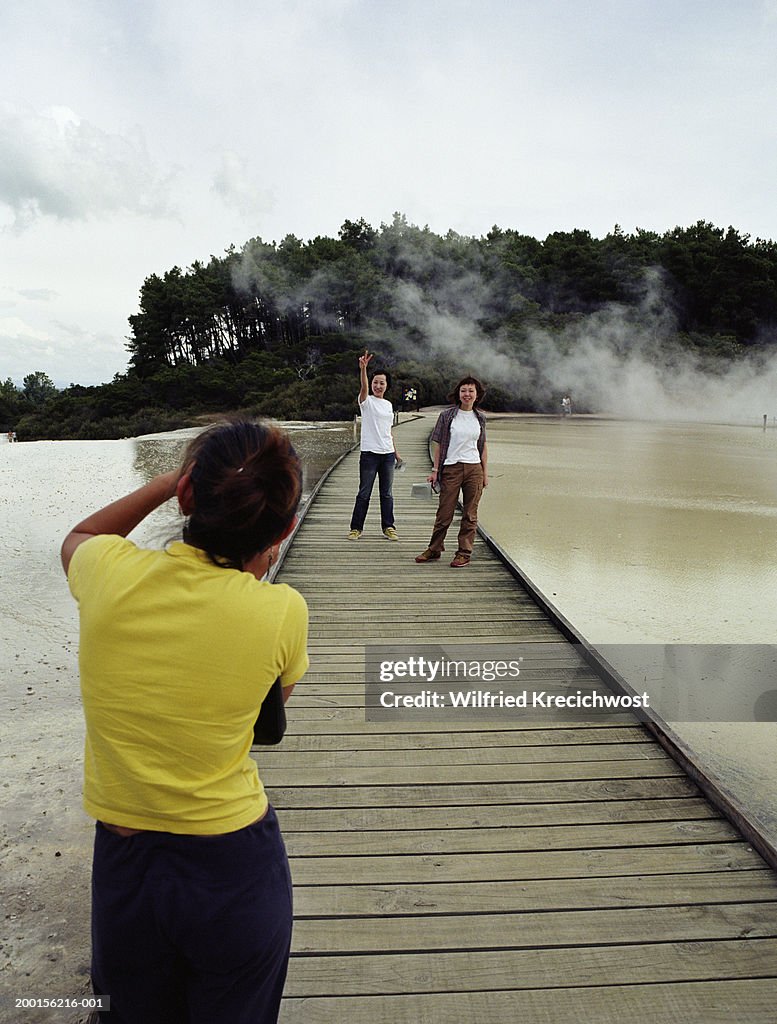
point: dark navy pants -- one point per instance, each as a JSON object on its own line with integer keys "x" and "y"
{"x": 372, "y": 464}
{"x": 191, "y": 929}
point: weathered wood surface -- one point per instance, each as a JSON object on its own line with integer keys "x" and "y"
{"x": 497, "y": 870}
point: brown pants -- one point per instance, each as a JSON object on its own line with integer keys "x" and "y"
{"x": 467, "y": 478}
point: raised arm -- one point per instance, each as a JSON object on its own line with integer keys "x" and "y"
{"x": 364, "y": 389}
{"x": 122, "y": 516}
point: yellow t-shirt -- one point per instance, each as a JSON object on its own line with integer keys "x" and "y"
{"x": 176, "y": 656}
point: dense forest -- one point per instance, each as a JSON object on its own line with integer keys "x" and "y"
{"x": 274, "y": 329}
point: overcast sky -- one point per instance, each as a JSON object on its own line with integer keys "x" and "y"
{"x": 136, "y": 135}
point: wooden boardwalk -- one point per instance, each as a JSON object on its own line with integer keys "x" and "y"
{"x": 448, "y": 872}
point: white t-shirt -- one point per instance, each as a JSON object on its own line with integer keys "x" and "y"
{"x": 465, "y": 433}
{"x": 377, "y": 421}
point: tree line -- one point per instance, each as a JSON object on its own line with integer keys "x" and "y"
{"x": 273, "y": 328}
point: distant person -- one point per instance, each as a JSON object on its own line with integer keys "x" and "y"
{"x": 566, "y": 406}
{"x": 191, "y": 892}
{"x": 460, "y": 464}
{"x": 378, "y": 452}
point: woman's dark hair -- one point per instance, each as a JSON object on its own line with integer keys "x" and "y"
{"x": 246, "y": 483}
{"x": 454, "y": 395}
{"x": 385, "y": 373}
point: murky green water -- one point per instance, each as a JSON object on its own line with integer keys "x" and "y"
{"x": 665, "y": 535}
{"x": 642, "y": 532}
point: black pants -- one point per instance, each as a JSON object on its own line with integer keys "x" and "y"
{"x": 191, "y": 929}
{"x": 372, "y": 464}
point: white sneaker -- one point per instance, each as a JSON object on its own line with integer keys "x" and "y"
{"x": 354, "y": 535}
{"x": 390, "y": 533}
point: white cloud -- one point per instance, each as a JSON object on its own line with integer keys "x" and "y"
{"x": 14, "y": 327}
{"x": 24, "y": 348}
{"x": 56, "y": 164}
{"x": 66, "y": 353}
{"x": 239, "y": 188}
{"x": 38, "y": 294}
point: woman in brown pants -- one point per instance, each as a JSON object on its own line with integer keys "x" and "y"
{"x": 459, "y": 455}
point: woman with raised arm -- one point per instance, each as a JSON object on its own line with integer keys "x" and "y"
{"x": 378, "y": 453}
{"x": 459, "y": 456}
{"x": 191, "y": 892}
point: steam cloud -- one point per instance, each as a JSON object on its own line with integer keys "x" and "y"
{"x": 621, "y": 360}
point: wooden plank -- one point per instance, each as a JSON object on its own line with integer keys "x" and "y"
{"x": 423, "y": 719}
{"x": 314, "y": 976}
{"x": 323, "y": 601}
{"x": 517, "y": 631}
{"x": 356, "y": 650}
{"x": 532, "y": 930}
{"x": 547, "y": 657}
{"x": 498, "y": 774}
{"x": 333, "y": 684}
{"x": 347, "y": 667}
{"x": 475, "y": 840}
{"x": 494, "y": 817}
{"x": 436, "y": 757}
{"x": 403, "y": 617}
{"x": 359, "y": 726}
{"x": 421, "y": 741}
{"x": 319, "y": 592}
{"x": 347, "y": 689}
{"x": 413, "y": 869}
{"x": 714, "y": 1002}
{"x": 462, "y": 798}
{"x": 676, "y": 888}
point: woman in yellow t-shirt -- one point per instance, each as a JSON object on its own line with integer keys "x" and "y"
{"x": 191, "y": 892}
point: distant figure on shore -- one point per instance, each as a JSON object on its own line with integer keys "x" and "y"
{"x": 11, "y": 436}
{"x": 566, "y": 406}
{"x": 191, "y": 892}
{"x": 459, "y": 459}
{"x": 378, "y": 452}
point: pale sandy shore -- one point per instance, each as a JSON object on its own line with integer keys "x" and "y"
{"x": 45, "y": 836}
